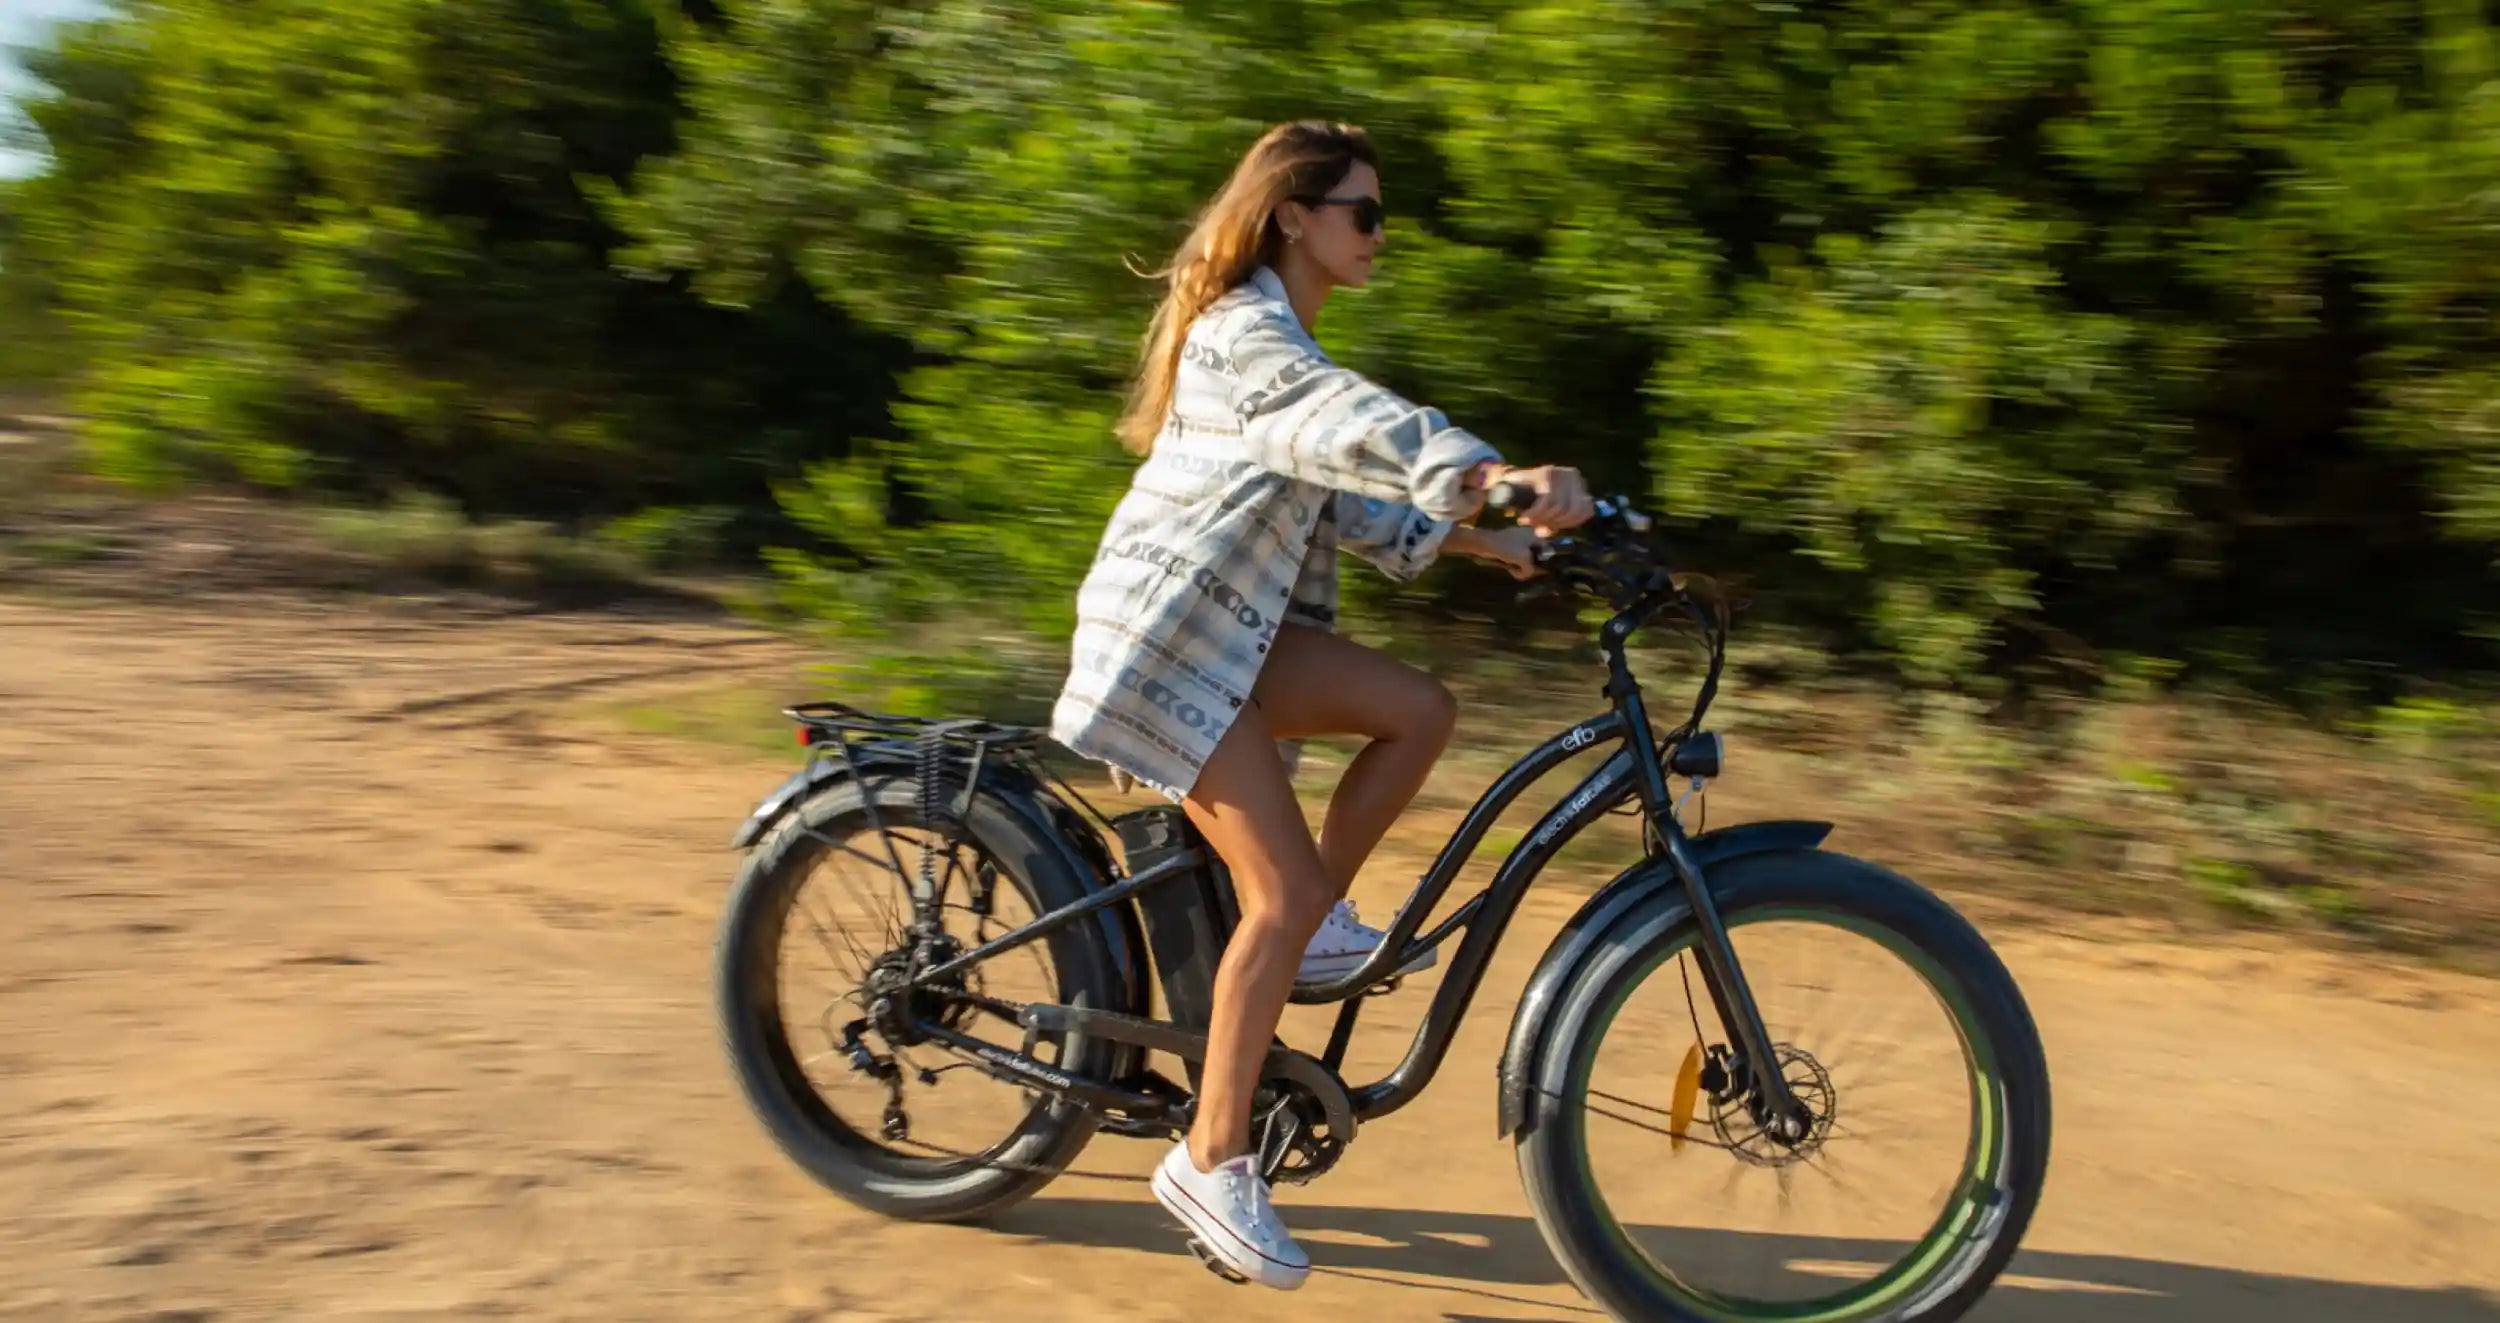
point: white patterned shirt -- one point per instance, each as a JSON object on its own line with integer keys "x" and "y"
{"x": 1270, "y": 459}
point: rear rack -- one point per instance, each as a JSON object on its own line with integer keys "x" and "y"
{"x": 832, "y": 728}
{"x": 845, "y": 722}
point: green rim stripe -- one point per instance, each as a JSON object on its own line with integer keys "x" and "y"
{"x": 1984, "y": 1154}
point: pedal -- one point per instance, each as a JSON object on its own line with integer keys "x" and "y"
{"x": 1215, "y": 1265}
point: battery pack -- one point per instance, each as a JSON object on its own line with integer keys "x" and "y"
{"x": 1188, "y": 918}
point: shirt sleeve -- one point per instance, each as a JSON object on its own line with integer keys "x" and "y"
{"x": 1307, "y": 418}
{"x": 1400, "y": 539}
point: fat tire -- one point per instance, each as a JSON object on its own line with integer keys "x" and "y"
{"x": 850, "y": 1164}
{"x": 1569, "y": 1212}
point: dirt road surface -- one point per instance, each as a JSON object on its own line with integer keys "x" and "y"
{"x": 349, "y": 971}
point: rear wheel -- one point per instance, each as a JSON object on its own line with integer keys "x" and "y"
{"x": 821, "y": 917}
{"x": 1894, "y": 1024}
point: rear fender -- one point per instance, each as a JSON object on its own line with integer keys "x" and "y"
{"x": 1647, "y": 884}
{"x": 817, "y": 773}
{"x": 1081, "y": 848}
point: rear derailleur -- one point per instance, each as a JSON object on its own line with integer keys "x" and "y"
{"x": 893, "y": 1124}
{"x": 892, "y": 1005}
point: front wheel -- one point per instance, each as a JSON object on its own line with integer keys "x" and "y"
{"x": 1662, "y": 1194}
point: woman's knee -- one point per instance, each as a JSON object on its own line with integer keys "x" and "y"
{"x": 1317, "y": 683}
{"x": 1429, "y": 714}
{"x": 1286, "y": 901}
{"x": 1293, "y": 905}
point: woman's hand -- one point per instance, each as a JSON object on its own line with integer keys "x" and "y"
{"x": 1512, "y": 548}
{"x": 1562, "y": 495}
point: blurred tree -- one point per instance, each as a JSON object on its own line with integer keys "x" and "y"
{"x": 1983, "y": 332}
{"x": 2010, "y": 323}
{"x": 32, "y": 344}
{"x": 302, "y": 242}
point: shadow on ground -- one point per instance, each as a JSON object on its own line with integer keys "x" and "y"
{"x": 1478, "y": 1254}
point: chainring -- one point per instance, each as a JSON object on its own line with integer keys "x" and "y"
{"x": 1295, "y": 1147}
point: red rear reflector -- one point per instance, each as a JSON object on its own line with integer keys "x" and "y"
{"x": 807, "y": 736}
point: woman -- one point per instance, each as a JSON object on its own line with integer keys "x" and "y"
{"x": 1204, "y": 627}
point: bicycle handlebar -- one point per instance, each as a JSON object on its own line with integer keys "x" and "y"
{"x": 1617, "y": 557}
{"x": 1512, "y": 498}
{"x": 1616, "y": 535}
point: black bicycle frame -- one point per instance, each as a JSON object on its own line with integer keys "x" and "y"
{"x": 1635, "y": 767}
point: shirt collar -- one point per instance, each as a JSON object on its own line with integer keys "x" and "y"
{"x": 1269, "y": 283}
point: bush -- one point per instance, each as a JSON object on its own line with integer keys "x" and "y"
{"x": 1987, "y": 336}
{"x": 427, "y": 537}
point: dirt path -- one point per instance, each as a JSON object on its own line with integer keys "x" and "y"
{"x": 348, "y": 975}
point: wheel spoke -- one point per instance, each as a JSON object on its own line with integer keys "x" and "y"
{"x": 1703, "y": 1140}
{"x": 1859, "y": 1033}
{"x": 825, "y": 940}
{"x": 848, "y": 910}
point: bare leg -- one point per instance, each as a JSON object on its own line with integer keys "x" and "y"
{"x": 1244, "y": 805}
{"x": 1314, "y": 683}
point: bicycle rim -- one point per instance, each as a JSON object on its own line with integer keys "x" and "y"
{"x": 975, "y": 1122}
{"x": 1933, "y": 1260}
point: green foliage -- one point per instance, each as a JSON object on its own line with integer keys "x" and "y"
{"x": 428, "y": 537}
{"x": 667, "y": 537}
{"x": 1989, "y": 337}
{"x": 744, "y": 717}
{"x": 301, "y": 243}
{"x": 1981, "y": 328}
{"x": 1918, "y": 413}
{"x": 32, "y": 340}
{"x": 55, "y": 548}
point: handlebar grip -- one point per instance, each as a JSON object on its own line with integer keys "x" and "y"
{"x": 1508, "y": 498}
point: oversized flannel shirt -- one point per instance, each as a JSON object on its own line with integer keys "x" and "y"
{"x": 1270, "y": 459}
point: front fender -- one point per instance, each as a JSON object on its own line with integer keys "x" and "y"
{"x": 1652, "y": 881}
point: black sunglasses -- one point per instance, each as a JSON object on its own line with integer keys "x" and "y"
{"x": 1369, "y": 215}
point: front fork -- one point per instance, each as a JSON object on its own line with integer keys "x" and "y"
{"x": 1781, "y": 1115}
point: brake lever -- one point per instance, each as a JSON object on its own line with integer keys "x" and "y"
{"x": 1551, "y": 561}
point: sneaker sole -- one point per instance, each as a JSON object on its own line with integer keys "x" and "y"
{"x": 1222, "y": 1241}
{"x": 1332, "y": 968}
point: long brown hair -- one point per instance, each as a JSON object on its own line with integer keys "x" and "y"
{"x": 1234, "y": 234}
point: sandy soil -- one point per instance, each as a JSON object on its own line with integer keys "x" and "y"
{"x": 352, "y": 971}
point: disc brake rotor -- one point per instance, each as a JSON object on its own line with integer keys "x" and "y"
{"x": 1739, "y": 1125}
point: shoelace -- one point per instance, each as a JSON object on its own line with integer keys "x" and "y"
{"x": 1248, "y": 1193}
{"x": 1246, "y": 1202}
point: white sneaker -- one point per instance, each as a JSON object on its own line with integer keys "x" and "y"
{"x": 1227, "y": 1210}
{"x": 1343, "y": 943}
